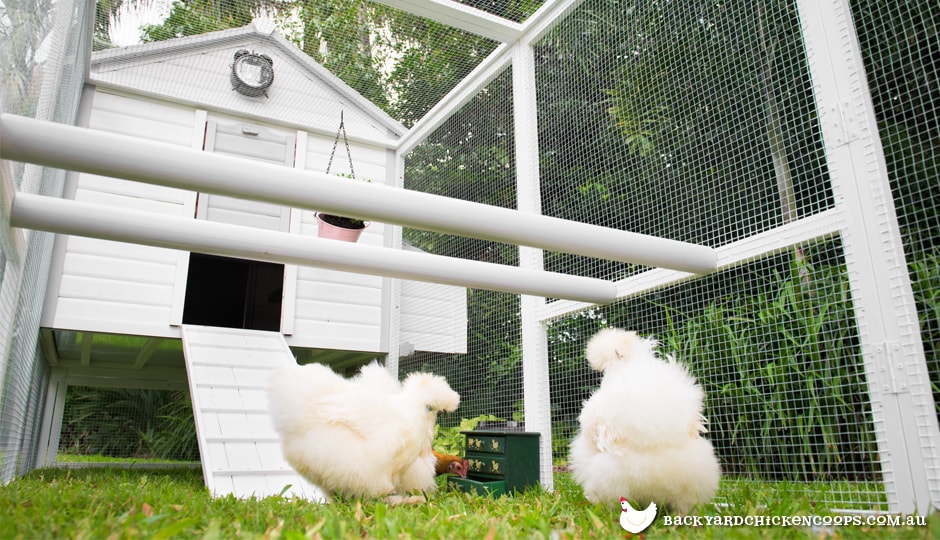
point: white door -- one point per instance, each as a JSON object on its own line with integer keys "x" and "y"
{"x": 251, "y": 141}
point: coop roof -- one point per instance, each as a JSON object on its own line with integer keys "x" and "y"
{"x": 196, "y": 70}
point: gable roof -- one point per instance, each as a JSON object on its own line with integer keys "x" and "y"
{"x": 196, "y": 70}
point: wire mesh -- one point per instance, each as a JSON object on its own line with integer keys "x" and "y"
{"x": 41, "y": 77}
{"x": 902, "y": 58}
{"x": 127, "y": 424}
{"x": 513, "y": 10}
{"x": 774, "y": 345}
{"x": 471, "y": 157}
{"x": 690, "y": 122}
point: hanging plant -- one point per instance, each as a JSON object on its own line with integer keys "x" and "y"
{"x": 331, "y": 225}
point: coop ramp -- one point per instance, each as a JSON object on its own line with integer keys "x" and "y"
{"x": 240, "y": 451}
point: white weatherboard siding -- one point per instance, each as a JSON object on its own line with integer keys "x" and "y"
{"x": 433, "y": 317}
{"x": 338, "y": 310}
{"x": 115, "y": 287}
{"x": 198, "y": 70}
{"x": 241, "y": 452}
{"x": 148, "y": 92}
{"x": 341, "y": 310}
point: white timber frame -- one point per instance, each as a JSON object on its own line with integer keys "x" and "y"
{"x": 864, "y": 217}
{"x": 886, "y": 313}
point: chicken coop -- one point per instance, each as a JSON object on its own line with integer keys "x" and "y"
{"x": 751, "y": 183}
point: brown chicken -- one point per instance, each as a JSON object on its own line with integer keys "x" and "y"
{"x": 448, "y": 464}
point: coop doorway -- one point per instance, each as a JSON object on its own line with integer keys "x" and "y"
{"x": 233, "y": 293}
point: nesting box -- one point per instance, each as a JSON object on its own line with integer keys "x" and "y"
{"x": 499, "y": 462}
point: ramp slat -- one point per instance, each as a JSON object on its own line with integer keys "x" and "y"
{"x": 227, "y": 370}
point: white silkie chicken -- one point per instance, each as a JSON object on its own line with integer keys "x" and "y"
{"x": 369, "y": 436}
{"x": 640, "y": 432}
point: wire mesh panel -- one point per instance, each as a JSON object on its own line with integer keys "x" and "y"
{"x": 40, "y": 77}
{"x": 471, "y": 157}
{"x": 689, "y": 121}
{"x": 697, "y": 122}
{"x": 774, "y": 346}
{"x": 693, "y": 121}
{"x": 127, "y": 424}
{"x": 902, "y": 58}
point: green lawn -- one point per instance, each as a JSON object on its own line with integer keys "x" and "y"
{"x": 173, "y": 503}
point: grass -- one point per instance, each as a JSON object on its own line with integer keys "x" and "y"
{"x": 64, "y": 457}
{"x": 173, "y": 503}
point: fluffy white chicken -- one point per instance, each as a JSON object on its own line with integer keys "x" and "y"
{"x": 369, "y": 436}
{"x": 640, "y": 432}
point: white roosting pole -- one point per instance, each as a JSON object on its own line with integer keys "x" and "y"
{"x": 120, "y": 156}
{"x": 152, "y": 229}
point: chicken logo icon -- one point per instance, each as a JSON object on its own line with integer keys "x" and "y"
{"x": 636, "y": 521}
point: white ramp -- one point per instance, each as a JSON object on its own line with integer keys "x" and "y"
{"x": 241, "y": 452}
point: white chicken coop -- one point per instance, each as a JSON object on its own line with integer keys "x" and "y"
{"x": 753, "y": 183}
{"x": 100, "y": 289}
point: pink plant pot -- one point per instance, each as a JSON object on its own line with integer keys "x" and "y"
{"x": 328, "y": 230}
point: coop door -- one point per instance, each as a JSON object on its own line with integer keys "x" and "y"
{"x": 233, "y": 293}
{"x": 256, "y": 143}
{"x": 237, "y": 293}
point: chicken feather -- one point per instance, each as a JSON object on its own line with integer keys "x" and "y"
{"x": 365, "y": 436}
{"x": 640, "y": 432}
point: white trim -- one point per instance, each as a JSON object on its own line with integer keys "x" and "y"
{"x": 51, "y": 427}
{"x": 465, "y": 18}
{"x": 822, "y": 225}
{"x": 394, "y": 241}
{"x": 289, "y": 291}
{"x": 197, "y": 142}
{"x": 548, "y": 16}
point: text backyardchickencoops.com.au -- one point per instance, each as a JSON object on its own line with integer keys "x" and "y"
{"x": 797, "y": 521}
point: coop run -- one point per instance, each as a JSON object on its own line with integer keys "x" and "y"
{"x": 753, "y": 183}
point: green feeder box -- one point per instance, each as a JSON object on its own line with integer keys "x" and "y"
{"x": 499, "y": 462}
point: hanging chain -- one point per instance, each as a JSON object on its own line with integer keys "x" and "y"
{"x": 341, "y": 130}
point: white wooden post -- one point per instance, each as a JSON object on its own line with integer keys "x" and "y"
{"x": 51, "y": 427}
{"x": 536, "y": 399}
{"x": 902, "y": 405}
{"x": 395, "y": 169}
